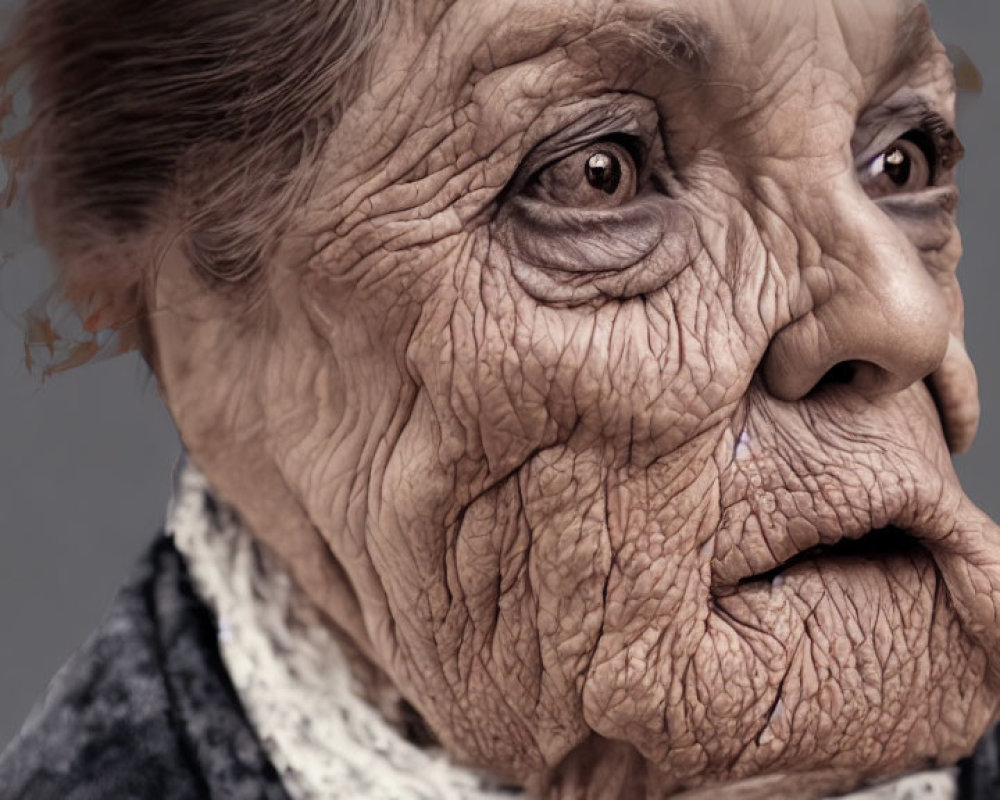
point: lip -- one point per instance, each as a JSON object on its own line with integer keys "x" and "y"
{"x": 949, "y": 531}
{"x": 876, "y": 545}
{"x": 966, "y": 554}
{"x": 807, "y": 539}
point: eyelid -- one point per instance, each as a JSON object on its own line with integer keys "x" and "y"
{"x": 631, "y": 143}
{"x": 565, "y": 144}
{"x": 890, "y": 122}
{"x": 620, "y": 118}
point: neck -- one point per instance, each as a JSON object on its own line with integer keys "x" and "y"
{"x": 333, "y": 724}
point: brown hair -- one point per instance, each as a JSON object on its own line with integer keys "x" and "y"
{"x": 212, "y": 105}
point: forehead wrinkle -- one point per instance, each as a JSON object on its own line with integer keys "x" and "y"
{"x": 664, "y": 37}
{"x": 915, "y": 41}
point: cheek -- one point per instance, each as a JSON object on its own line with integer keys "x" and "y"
{"x": 538, "y": 613}
{"x": 494, "y": 511}
{"x": 505, "y": 374}
{"x": 496, "y": 611}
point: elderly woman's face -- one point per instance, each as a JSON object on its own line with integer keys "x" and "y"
{"x": 608, "y": 375}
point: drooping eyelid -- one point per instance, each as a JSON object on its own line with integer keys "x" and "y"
{"x": 879, "y": 127}
{"x": 630, "y": 121}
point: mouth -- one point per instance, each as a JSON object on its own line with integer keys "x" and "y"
{"x": 878, "y": 545}
{"x": 861, "y": 621}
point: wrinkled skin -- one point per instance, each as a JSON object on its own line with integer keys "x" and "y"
{"x": 537, "y": 447}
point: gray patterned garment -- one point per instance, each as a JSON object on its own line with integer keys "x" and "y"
{"x": 146, "y": 709}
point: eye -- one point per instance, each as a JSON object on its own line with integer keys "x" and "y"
{"x": 905, "y": 167}
{"x": 602, "y": 175}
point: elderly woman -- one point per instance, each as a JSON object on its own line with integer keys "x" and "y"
{"x": 567, "y": 390}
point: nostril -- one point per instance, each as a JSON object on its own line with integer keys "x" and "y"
{"x": 840, "y": 374}
{"x": 863, "y": 377}
{"x": 844, "y": 372}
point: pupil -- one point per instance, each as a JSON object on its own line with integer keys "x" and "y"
{"x": 897, "y": 166}
{"x": 604, "y": 172}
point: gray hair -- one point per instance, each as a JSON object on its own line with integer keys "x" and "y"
{"x": 201, "y": 110}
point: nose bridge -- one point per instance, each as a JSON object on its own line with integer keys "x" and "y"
{"x": 886, "y": 307}
{"x": 885, "y": 316}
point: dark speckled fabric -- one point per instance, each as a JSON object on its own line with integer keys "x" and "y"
{"x": 145, "y": 710}
{"x": 979, "y": 776}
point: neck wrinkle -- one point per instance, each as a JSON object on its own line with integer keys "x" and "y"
{"x": 332, "y": 723}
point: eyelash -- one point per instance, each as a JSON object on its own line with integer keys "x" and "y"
{"x": 932, "y": 134}
{"x": 938, "y": 140}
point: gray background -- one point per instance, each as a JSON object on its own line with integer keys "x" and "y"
{"x": 85, "y": 458}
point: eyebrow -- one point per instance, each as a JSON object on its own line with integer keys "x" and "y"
{"x": 671, "y": 38}
{"x": 676, "y": 41}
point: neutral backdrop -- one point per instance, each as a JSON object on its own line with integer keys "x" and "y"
{"x": 86, "y": 457}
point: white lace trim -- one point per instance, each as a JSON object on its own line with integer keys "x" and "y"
{"x": 936, "y": 785}
{"x": 298, "y": 689}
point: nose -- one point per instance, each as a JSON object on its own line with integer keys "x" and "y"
{"x": 883, "y": 324}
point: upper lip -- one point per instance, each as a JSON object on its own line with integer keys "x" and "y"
{"x": 735, "y": 564}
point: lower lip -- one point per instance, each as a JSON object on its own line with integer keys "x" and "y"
{"x": 904, "y": 565}
{"x": 856, "y": 583}
{"x": 880, "y": 546}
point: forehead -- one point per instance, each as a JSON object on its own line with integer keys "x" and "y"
{"x": 877, "y": 39}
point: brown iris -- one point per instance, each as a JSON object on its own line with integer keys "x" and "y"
{"x": 904, "y": 167}
{"x": 604, "y": 172}
{"x": 603, "y": 175}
